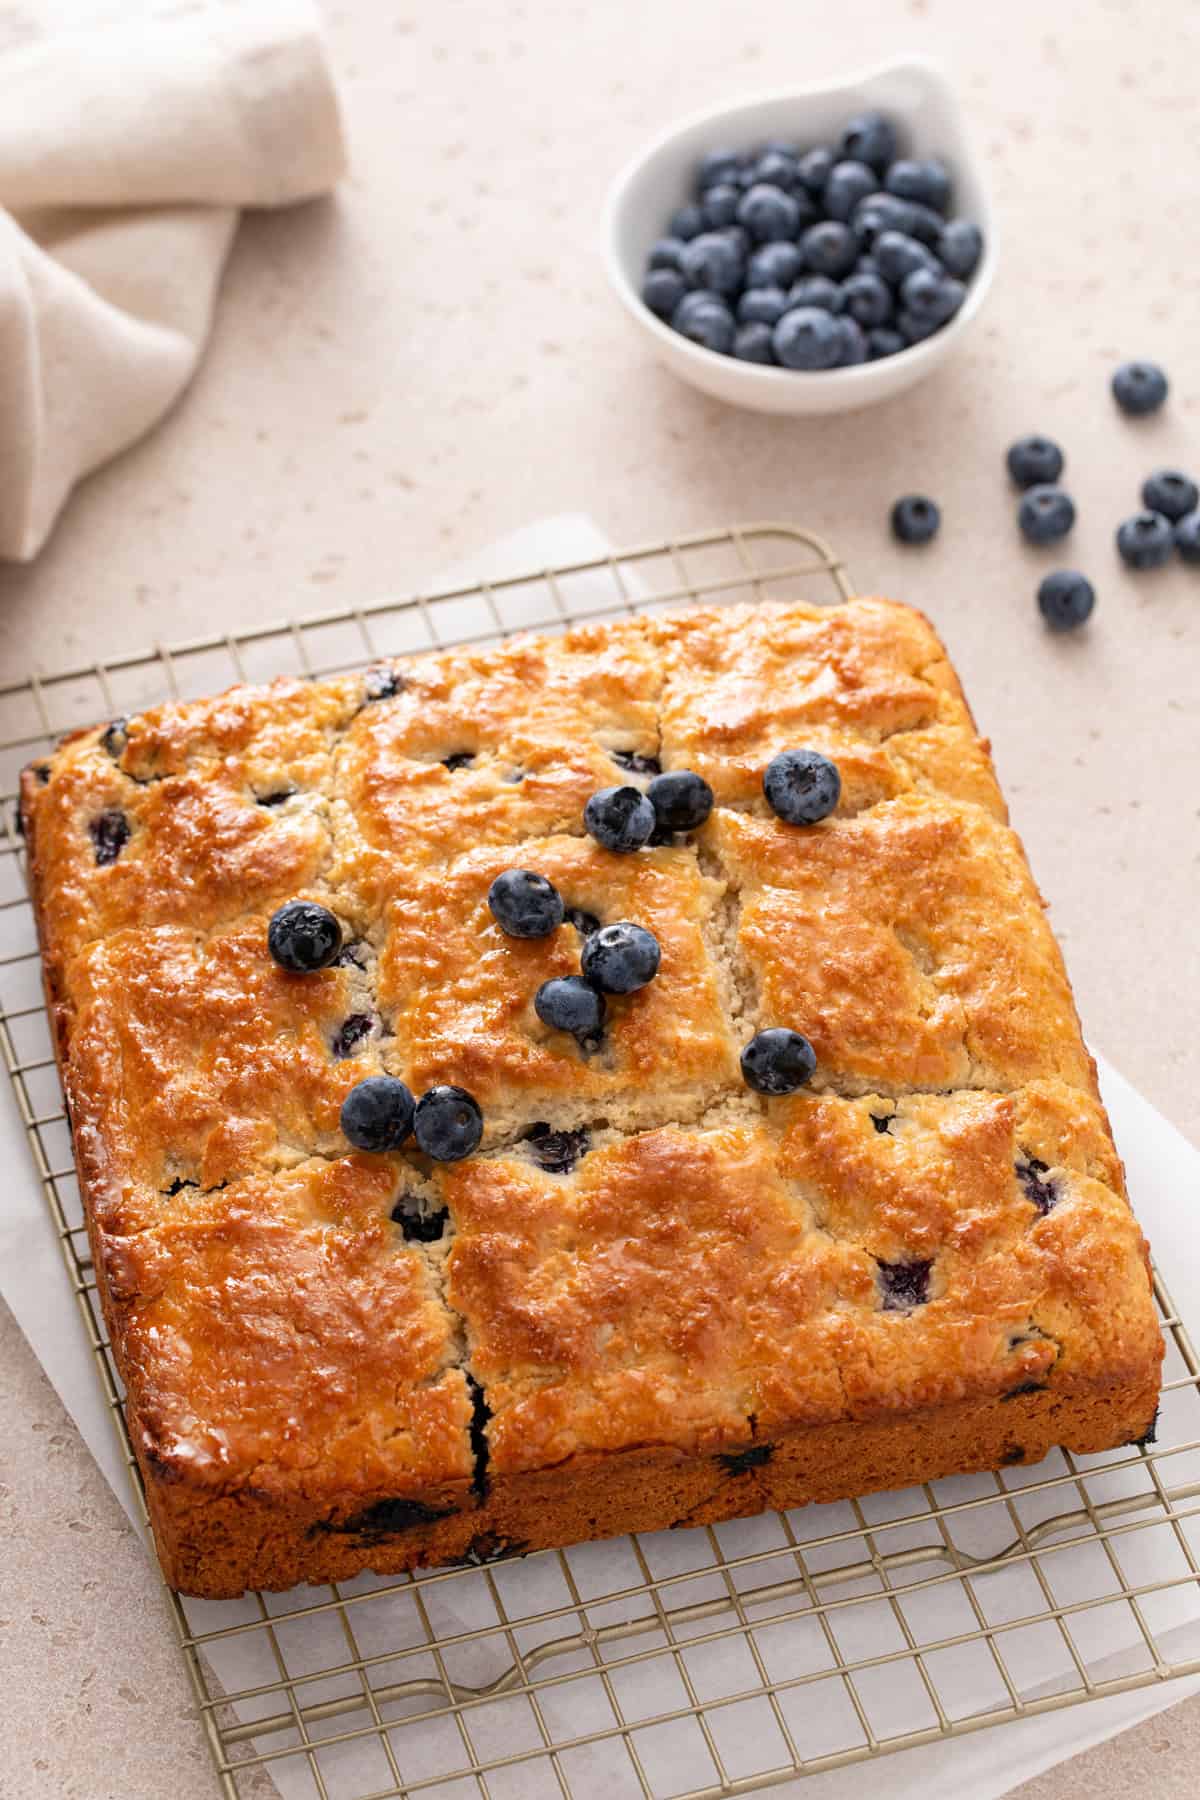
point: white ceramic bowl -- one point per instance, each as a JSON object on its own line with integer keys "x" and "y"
{"x": 918, "y": 98}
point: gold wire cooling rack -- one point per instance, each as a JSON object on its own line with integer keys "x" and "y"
{"x": 678, "y": 1666}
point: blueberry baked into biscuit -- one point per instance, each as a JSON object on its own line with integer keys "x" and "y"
{"x": 611, "y": 1081}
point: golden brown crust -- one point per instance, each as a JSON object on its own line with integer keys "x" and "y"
{"x": 924, "y": 1262}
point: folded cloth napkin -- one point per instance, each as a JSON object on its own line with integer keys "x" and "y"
{"x": 130, "y": 136}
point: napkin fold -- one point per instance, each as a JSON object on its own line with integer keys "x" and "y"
{"x": 129, "y": 142}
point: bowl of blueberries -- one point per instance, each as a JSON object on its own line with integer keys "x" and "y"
{"x": 810, "y": 252}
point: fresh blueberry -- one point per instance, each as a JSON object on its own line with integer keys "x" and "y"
{"x": 814, "y": 167}
{"x": 619, "y": 818}
{"x": 853, "y": 348}
{"x": 898, "y": 255}
{"x": 774, "y": 265}
{"x": 109, "y": 832}
{"x": 848, "y": 184}
{"x": 816, "y": 290}
{"x": 904, "y": 1284}
{"x": 447, "y": 1123}
{"x": 665, "y": 254}
{"x": 915, "y": 519}
{"x": 1139, "y": 387}
{"x": 686, "y": 223}
{"x": 925, "y": 180}
{"x": 870, "y": 137}
{"x": 569, "y": 1003}
{"x": 706, "y": 320}
{"x": 1146, "y": 540}
{"x": 928, "y": 294}
{"x": 778, "y": 1061}
{"x": 1045, "y": 514}
{"x": 807, "y": 337}
{"x": 782, "y": 147}
{"x": 662, "y": 291}
{"x": 883, "y": 341}
{"x": 927, "y": 225}
{"x": 720, "y": 205}
{"x": 1066, "y": 599}
{"x": 829, "y": 249}
{"x": 762, "y": 306}
{"x": 801, "y": 786}
{"x": 718, "y": 166}
{"x": 914, "y": 328}
{"x": 777, "y": 168}
{"x": 867, "y": 298}
{"x": 377, "y": 1114}
{"x": 959, "y": 246}
{"x": 619, "y": 959}
{"x": 1034, "y": 461}
{"x": 304, "y": 937}
{"x": 556, "y": 1152}
{"x": 1187, "y": 537}
{"x": 882, "y": 212}
{"x": 768, "y": 213}
{"x": 1170, "y": 492}
{"x": 866, "y": 265}
{"x": 739, "y": 241}
{"x": 681, "y": 800}
{"x": 711, "y": 261}
{"x": 524, "y": 904}
{"x": 752, "y": 343}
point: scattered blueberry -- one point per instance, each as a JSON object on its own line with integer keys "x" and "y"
{"x": 524, "y": 904}
{"x": 904, "y": 1284}
{"x": 666, "y": 254}
{"x": 915, "y": 519}
{"x": 568, "y": 1003}
{"x": 304, "y": 937}
{"x": 801, "y": 786}
{"x": 447, "y": 1123}
{"x": 556, "y": 1152}
{"x": 1146, "y": 540}
{"x": 768, "y": 213}
{"x": 584, "y": 922}
{"x": 925, "y": 180}
{"x": 930, "y": 296}
{"x": 883, "y": 212}
{"x": 382, "y": 683}
{"x": 274, "y": 799}
{"x": 115, "y": 736}
{"x": 830, "y": 248}
{"x": 1187, "y": 537}
{"x": 1139, "y": 387}
{"x": 752, "y": 343}
{"x": 419, "y": 1223}
{"x": 870, "y": 137}
{"x": 854, "y": 342}
{"x": 762, "y": 306}
{"x": 1171, "y": 493}
{"x": 458, "y": 759}
{"x": 867, "y": 298}
{"x": 619, "y": 818}
{"x": 686, "y": 223}
{"x": 816, "y": 290}
{"x": 1066, "y": 599}
{"x": 681, "y": 800}
{"x": 712, "y": 261}
{"x": 882, "y": 340}
{"x": 619, "y": 959}
{"x": 1034, "y": 461}
{"x": 662, "y": 290}
{"x": 377, "y": 1114}
{"x": 1037, "y": 1184}
{"x": 350, "y": 1034}
{"x": 717, "y": 166}
{"x": 849, "y": 183}
{"x": 706, "y": 320}
{"x": 959, "y": 246}
{"x": 720, "y": 205}
{"x": 778, "y": 1061}
{"x": 899, "y": 255}
{"x": 1045, "y": 514}
{"x": 773, "y": 265}
{"x": 813, "y": 168}
{"x": 109, "y": 832}
{"x": 636, "y": 762}
{"x": 807, "y": 338}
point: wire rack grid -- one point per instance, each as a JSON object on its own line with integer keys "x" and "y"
{"x": 680, "y": 1666}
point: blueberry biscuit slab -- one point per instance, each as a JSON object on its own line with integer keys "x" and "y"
{"x": 652, "y": 1296}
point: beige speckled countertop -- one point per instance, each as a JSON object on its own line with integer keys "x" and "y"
{"x": 433, "y": 360}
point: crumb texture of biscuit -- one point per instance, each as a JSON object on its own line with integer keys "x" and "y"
{"x": 653, "y": 1297}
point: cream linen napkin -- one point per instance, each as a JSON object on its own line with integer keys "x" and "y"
{"x": 130, "y": 137}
